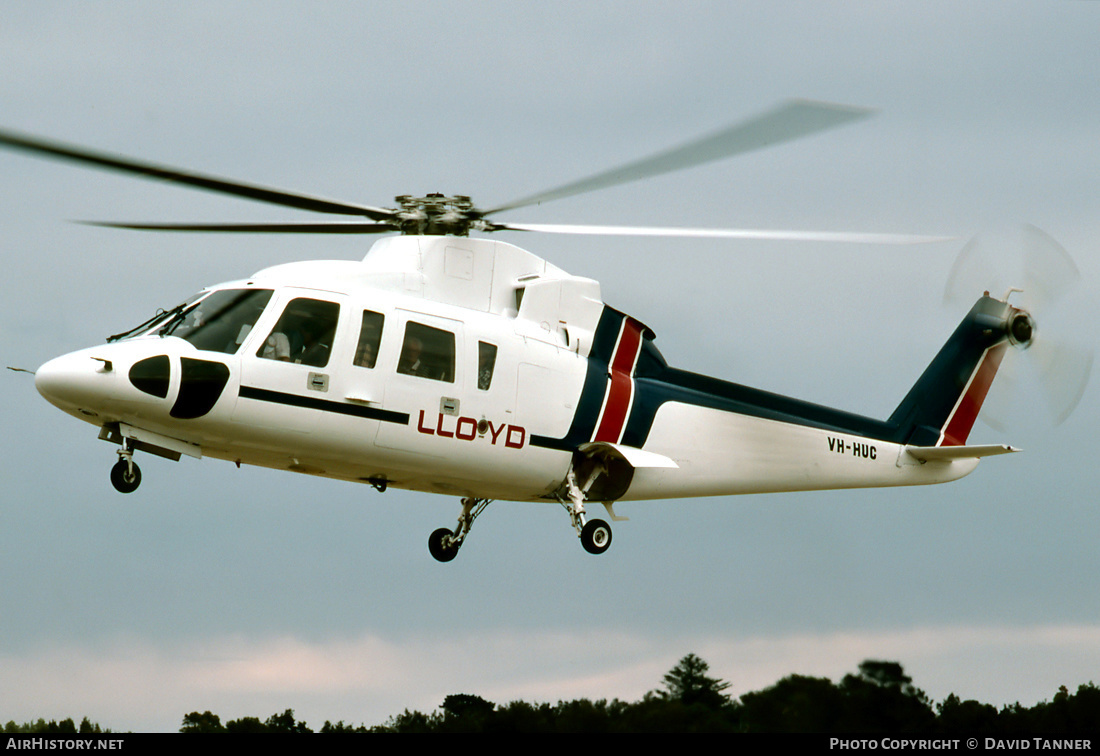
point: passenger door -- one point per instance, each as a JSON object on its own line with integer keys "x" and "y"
{"x": 424, "y": 378}
{"x": 289, "y": 376}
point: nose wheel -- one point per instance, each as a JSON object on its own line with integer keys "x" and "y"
{"x": 125, "y": 475}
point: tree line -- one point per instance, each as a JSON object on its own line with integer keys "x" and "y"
{"x": 878, "y": 698}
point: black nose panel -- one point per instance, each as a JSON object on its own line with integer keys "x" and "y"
{"x": 201, "y": 383}
{"x": 151, "y": 375}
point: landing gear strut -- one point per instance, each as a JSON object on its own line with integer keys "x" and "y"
{"x": 443, "y": 544}
{"x": 595, "y": 535}
{"x": 125, "y": 475}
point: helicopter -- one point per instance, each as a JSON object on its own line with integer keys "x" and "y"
{"x": 455, "y": 364}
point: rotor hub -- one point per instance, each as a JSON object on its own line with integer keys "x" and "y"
{"x": 437, "y": 215}
{"x": 1021, "y": 329}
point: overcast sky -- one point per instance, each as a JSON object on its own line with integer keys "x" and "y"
{"x": 250, "y": 591}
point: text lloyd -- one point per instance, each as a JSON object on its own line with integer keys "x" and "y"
{"x": 467, "y": 429}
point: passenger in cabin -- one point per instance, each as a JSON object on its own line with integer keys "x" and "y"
{"x": 410, "y": 363}
{"x": 486, "y": 361}
{"x": 370, "y": 336}
{"x": 196, "y": 320}
{"x": 316, "y": 344}
{"x": 428, "y": 353}
{"x": 277, "y": 347}
{"x": 364, "y": 355}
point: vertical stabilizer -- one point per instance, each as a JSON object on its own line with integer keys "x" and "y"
{"x": 942, "y": 406}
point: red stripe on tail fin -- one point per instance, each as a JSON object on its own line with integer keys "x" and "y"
{"x": 961, "y": 420}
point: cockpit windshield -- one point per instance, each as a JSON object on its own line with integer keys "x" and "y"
{"x": 157, "y": 321}
{"x": 219, "y": 322}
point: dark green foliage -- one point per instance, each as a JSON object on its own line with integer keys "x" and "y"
{"x": 1067, "y": 713}
{"x": 205, "y": 722}
{"x": 958, "y": 716}
{"x": 245, "y": 725}
{"x": 465, "y": 713}
{"x": 53, "y": 727}
{"x": 87, "y": 727}
{"x": 285, "y": 723}
{"x": 880, "y": 698}
{"x": 341, "y": 728}
{"x": 794, "y": 704}
{"x": 689, "y": 684}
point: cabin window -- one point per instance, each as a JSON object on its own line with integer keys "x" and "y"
{"x": 486, "y": 361}
{"x": 221, "y": 321}
{"x": 303, "y": 334}
{"x": 428, "y": 353}
{"x": 370, "y": 336}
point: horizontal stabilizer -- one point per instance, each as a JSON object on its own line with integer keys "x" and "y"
{"x": 634, "y": 457}
{"x": 948, "y": 453}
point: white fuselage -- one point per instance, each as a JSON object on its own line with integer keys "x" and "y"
{"x": 466, "y": 425}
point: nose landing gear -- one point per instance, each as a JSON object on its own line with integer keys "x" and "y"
{"x": 125, "y": 475}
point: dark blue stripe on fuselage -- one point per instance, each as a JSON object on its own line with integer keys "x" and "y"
{"x": 672, "y": 385}
{"x": 917, "y": 419}
{"x": 308, "y": 402}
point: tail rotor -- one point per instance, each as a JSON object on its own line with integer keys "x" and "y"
{"x": 1034, "y": 273}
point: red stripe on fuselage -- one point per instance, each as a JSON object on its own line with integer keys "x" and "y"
{"x": 620, "y": 389}
{"x": 966, "y": 411}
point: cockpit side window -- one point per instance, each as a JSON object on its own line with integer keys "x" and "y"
{"x": 221, "y": 321}
{"x": 428, "y": 353}
{"x": 304, "y": 333}
{"x": 370, "y": 336}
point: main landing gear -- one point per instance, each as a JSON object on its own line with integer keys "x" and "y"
{"x": 595, "y": 534}
{"x": 443, "y": 544}
{"x": 125, "y": 475}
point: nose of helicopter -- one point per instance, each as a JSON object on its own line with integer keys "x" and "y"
{"x": 76, "y": 381}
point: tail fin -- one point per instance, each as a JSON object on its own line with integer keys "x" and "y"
{"x": 942, "y": 406}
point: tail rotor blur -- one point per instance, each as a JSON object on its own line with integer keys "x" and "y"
{"x": 1033, "y": 272}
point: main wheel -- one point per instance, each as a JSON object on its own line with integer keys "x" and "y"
{"x": 440, "y": 548}
{"x": 596, "y": 536}
{"x": 125, "y": 478}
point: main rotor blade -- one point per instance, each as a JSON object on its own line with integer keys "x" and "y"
{"x": 77, "y": 154}
{"x": 788, "y": 122}
{"x": 724, "y": 233}
{"x": 255, "y": 228}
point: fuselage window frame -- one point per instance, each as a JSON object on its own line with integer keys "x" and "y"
{"x": 427, "y": 352}
{"x": 486, "y": 364}
{"x": 304, "y": 333}
{"x": 370, "y": 338}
